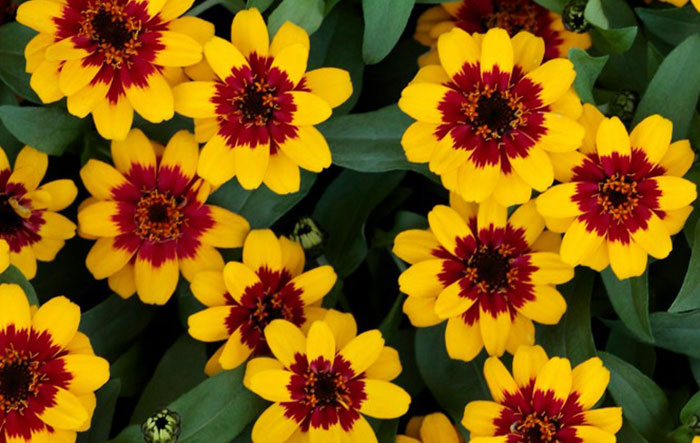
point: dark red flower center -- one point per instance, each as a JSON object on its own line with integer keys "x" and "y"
{"x": 270, "y": 307}
{"x": 256, "y": 102}
{"x": 325, "y": 388}
{"x": 490, "y": 268}
{"x": 514, "y": 16}
{"x": 19, "y": 379}
{"x": 10, "y": 220}
{"x": 536, "y": 428}
{"x": 112, "y": 29}
{"x": 618, "y": 196}
{"x": 493, "y": 113}
{"x": 158, "y": 216}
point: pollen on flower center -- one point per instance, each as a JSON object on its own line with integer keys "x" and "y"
{"x": 267, "y": 308}
{"x": 113, "y": 30}
{"x": 536, "y": 428}
{"x": 325, "y": 388}
{"x": 493, "y": 113}
{"x": 158, "y": 216}
{"x": 513, "y": 16}
{"x": 256, "y": 103}
{"x": 490, "y": 268}
{"x": 618, "y": 196}
{"x": 10, "y": 220}
{"x": 19, "y": 379}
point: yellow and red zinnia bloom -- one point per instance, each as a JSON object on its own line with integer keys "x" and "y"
{"x": 324, "y": 383}
{"x": 48, "y": 370}
{"x": 623, "y": 196}
{"x": 544, "y": 400}
{"x": 490, "y": 114}
{"x": 512, "y": 15}
{"x": 149, "y": 217}
{"x": 108, "y": 57}
{"x": 432, "y": 428}
{"x": 257, "y": 114}
{"x": 29, "y": 221}
{"x": 270, "y": 284}
{"x": 488, "y": 276}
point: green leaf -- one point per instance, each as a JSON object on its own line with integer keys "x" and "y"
{"x": 343, "y": 211}
{"x": 261, "y": 207}
{"x": 180, "y": 369}
{"x": 392, "y": 321}
{"x": 13, "y": 38}
{"x": 671, "y": 25}
{"x": 130, "y": 369}
{"x": 691, "y": 408}
{"x": 306, "y": 13}
{"x": 588, "y": 69}
{"x": 14, "y": 275}
{"x": 162, "y": 132}
{"x": 572, "y": 337}
{"x": 453, "y": 383}
{"x": 615, "y": 41}
{"x": 385, "y": 21}
{"x": 215, "y": 411}
{"x": 113, "y": 324}
{"x": 262, "y": 5}
{"x": 630, "y": 299}
{"x": 385, "y": 430}
{"x": 370, "y": 142}
{"x": 103, "y": 416}
{"x": 677, "y": 332}
{"x": 674, "y": 90}
{"x": 631, "y": 350}
{"x": 609, "y": 14}
{"x": 643, "y": 403}
{"x": 48, "y": 129}
{"x": 688, "y": 297}
{"x": 553, "y": 5}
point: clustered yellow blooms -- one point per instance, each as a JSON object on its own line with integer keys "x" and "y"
{"x": 496, "y": 118}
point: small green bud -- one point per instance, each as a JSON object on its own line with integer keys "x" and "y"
{"x": 623, "y": 105}
{"x": 162, "y": 427}
{"x": 573, "y": 17}
{"x": 307, "y": 233}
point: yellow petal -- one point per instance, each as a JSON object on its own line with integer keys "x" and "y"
{"x": 421, "y": 280}
{"x": 180, "y": 50}
{"x": 612, "y": 137}
{"x": 547, "y": 307}
{"x": 249, "y": 33}
{"x": 285, "y": 341}
{"x": 292, "y": 61}
{"x": 310, "y": 109}
{"x": 457, "y": 48}
{"x": 67, "y": 412}
{"x": 309, "y": 149}
{"x": 384, "y": 400}
{"x": 113, "y": 120}
{"x": 223, "y": 57}
{"x": 208, "y": 287}
{"x": 495, "y": 330}
{"x": 15, "y": 307}
{"x": 480, "y": 416}
{"x": 555, "y": 377}
{"x": 282, "y": 175}
{"x": 39, "y": 15}
{"x": 89, "y": 372}
{"x": 251, "y": 164}
{"x": 415, "y": 245}
{"x": 155, "y": 284}
{"x": 105, "y": 258}
{"x": 153, "y": 101}
{"x": 463, "y": 341}
{"x": 578, "y": 243}
{"x": 273, "y": 426}
{"x": 315, "y": 284}
{"x": 76, "y": 75}
{"x": 627, "y": 260}
{"x": 527, "y": 363}
{"x": 216, "y": 162}
{"x": 331, "y": 84}
{"x": 653, "y": 136}
{"x": 448, "y": 227}
{"x": 234, "y": 352}
{"x": 193, "y": 99}
{"x": 421, "y": 101}
{"x": 320, "y": 343}
{"x": 590, "y": 380}
{"x": 362, "y": 351}
{"x": 555, "y": 77}
{"x": 496, "y": 52}
{"x": 59, "y": 317}
{"x": 655, "y": 239}
{"x": 272, "y": 385}
{"x": 387, "y": 367}
{"x": 498, "y": 379}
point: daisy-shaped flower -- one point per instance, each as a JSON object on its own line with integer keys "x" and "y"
{"x": 324, "y": 383}
{"x": 488, "y": 276}
{"x": 257, "y": 113}
{"x": 512, "y": 15}
{"x": 29, "y": 223}
{"x": 432, "y": 428}
{"x": 490, "y": 114}
{"x": 623, "y": 195}
{"x": 48, "y": 370}
{"x": 149, "y": 217}
{"x": 108, "y": 57}
{"x": 270, "y": 284}
{"x": 543, "y": 401}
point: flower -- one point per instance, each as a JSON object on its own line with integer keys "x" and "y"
{"x": 109, "y": 57}
{"x": 490, "y": 115}
{"x": 487, "y": 276}
{"x": 162, "y": 427}
{"x": 322, "y": 384}
{"x": 270, "y": 284}
{"x": 544, "y": 400}
{"x": 257, "y": 111}
{"x": 622, "y": 196}
{"x": 512, "y": 15}
{"x": 149, "y": 218}
{"x": 680, "y": 4}
{"x": 48, "y": 370}
{"x": 435, "y": 427}
{"x": 29, "y": 223}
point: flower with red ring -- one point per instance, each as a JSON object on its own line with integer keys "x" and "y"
{"x": 622, "y": 195}
{"x": 149, "y": 217}
{"x": 48, "y": 370}
{"x": 269, "y": 284}
{"x": 512, "y": 15}
{"x": 544, "y": 400}
{"x": 323, "y": 383}
{"x": 488, "y": 275}
{"x": 490, "y": 115}
{"x": 111, "y": 57}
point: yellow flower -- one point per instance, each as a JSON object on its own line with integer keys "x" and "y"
{"x": 490, "y": 115}
{"x": 544, "y": 400}
{"x": 258, "y": 107}
{"x": 432, "y": 428}
{"x": 512, "y": 15}
{"x": 680, "y": 4}
{"x": 270, "y": 284}
{"x": 150, "y": 218}
{"x": 48, "y": 370}
{"x": 622, "y": 196}
{"x": 4, "y": 255}
{"x": 323, "y": 384}
{"x": 487, "y": 275}
{"x": 29, "y": 222}
{"x": 111, "y": 57}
